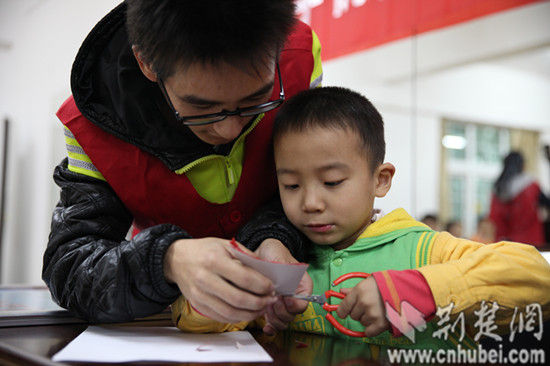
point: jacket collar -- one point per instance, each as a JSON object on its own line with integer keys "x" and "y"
{"x": 396, "y": 220}
{"x": 384, "y": 230}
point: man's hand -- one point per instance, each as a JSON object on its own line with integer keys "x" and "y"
{"x": 216, "y": 284}
{"x": 282, "y": 312}
{"x": 364, "y": 304}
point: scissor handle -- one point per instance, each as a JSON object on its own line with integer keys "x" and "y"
{"x": 331, "y": 293}
{"x": 342, "y": 329}
{"x": 347, "y": 276}
{"x": 329, "y": 307}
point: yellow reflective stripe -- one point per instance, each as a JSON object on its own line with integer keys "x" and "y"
{"x": 79, "y": 162}
{"x": 71, "y": 141}
{"x": 317, "y": 74}
{"x": 84, "y": 171}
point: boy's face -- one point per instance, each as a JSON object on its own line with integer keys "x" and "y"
{"x": 326, "y": 185}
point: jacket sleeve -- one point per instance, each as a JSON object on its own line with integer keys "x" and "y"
{"x": 186, "y": 318}
{"x": 466, "y": 273}
{"x": 408, "y": 285}
{"x": 90, "y": 268}
{"x": 270, "y": 222}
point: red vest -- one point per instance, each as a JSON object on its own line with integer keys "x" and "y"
{"x": 156, "y": 195}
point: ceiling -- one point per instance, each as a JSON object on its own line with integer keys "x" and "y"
{"x": 535, "y": 61}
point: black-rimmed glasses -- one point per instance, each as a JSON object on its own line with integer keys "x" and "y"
{"x": 205, "y": 119}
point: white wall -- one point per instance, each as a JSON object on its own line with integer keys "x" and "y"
{"x": 460, "y": 75}
{"x": 45, "y": 35}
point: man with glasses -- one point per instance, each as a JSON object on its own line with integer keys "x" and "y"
{"x": 168, "y": 131}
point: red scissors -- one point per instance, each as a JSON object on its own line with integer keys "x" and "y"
{"x": 323, "y": 300}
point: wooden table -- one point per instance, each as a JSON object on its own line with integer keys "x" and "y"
{"x": 35, "y": 345}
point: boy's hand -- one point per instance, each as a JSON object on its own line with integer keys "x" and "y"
{"x": 279, "y": 314}
{"x": 285, "y": 309}
{"x": 364, "y": 304}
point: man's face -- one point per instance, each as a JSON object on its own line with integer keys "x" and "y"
{"x": 326, "y": 185}
{"x": 203, "y": 89}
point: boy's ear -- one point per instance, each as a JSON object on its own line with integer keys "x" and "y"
{"x": 383, "y": 176}
{"x": 146, "y": 68}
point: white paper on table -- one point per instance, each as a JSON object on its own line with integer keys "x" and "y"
{"x": 285, "y": 276}
{"x": 168, "y": 344}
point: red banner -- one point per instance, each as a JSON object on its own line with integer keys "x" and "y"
{"x": 347, "y": 26}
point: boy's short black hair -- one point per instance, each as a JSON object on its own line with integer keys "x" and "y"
{"x": 177, "y": 33}
{"x": 336, "y": 108}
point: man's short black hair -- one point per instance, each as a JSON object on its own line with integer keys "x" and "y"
{"x": 177, "y": 33}
{"x": 336, "y": 108}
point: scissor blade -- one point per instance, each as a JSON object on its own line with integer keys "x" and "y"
{"x": 319, "y": 299}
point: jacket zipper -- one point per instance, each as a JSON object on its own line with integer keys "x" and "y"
{"x": 230, "y": 172}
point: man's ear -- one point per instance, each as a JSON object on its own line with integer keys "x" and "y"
{"x": 383, "y": 176}
{"x": 146, "y": 68}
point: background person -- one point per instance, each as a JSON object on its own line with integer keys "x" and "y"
{"x": 454, "y": 227}
{"x": 485, "y": 232}
{"x": 432, "y": 221}
{"x": 515, "y": 204}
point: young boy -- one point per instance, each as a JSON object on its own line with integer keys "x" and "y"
{"x": 329, "y": 151}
